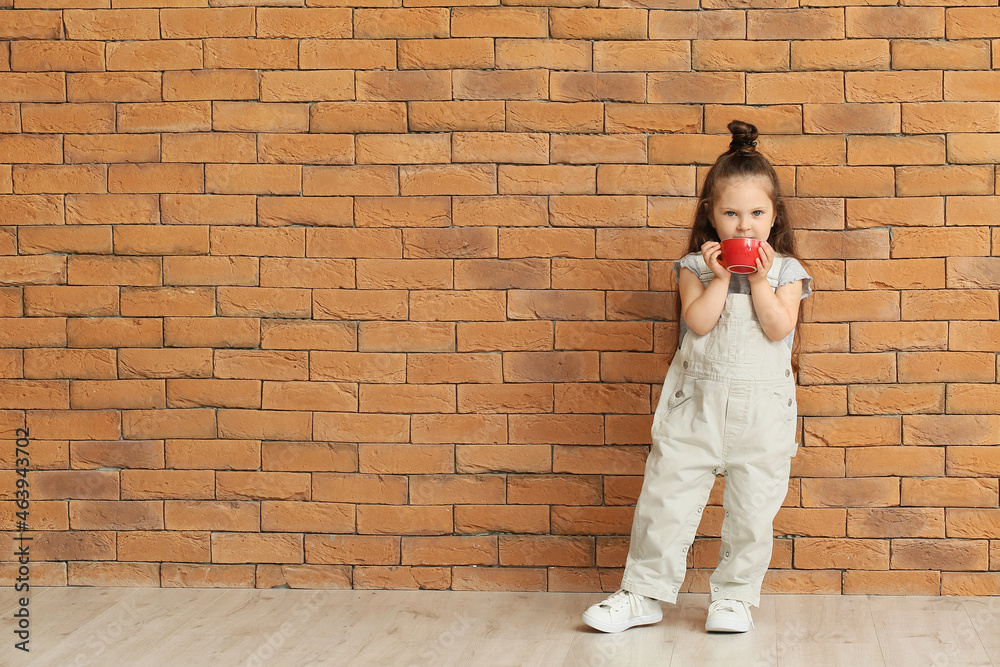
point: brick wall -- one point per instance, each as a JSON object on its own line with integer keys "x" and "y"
{"x": 381, "y": 297}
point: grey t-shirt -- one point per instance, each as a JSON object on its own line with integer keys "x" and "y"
{"x": 791, "y": 271}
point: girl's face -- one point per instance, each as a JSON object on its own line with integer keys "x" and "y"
{"x": 743, "y": 209}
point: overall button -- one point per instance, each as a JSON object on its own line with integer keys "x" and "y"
{"x": 685, "y": 364}
{"x": 789, "y": 402}
{"x": 684, "y": 550}
{"x": 699, "y": 510}
{"x": 727, "y": 554}
{"x": 716, "y": 589}
{"x": 679, "y": 393}
{"x": 675, "y": 589}
{"x": 787, "y": 372}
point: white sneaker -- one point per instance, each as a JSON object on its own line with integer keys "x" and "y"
{"x": 729, "y": 616}
{"x": 621, "y": 611}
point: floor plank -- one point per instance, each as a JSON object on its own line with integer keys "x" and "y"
{"x": 301, "y": 628}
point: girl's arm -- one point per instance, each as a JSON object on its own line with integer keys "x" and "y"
{"x": 700, "y": 305}
{"x": 777, "y": 310}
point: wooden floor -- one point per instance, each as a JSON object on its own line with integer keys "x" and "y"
{"x": 219, "y": 627}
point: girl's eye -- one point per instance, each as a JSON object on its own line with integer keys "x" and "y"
{"x": 731, "y": 213}
{"x": 758, "y": 212}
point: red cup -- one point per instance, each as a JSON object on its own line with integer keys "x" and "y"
{"x": 740, "y": 255}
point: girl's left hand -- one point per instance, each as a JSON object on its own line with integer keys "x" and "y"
{"x": 765, "y": 258}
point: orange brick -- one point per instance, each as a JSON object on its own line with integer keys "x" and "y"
{"x": 740, "y": 55}
{"x": 591, "y": 86}
{"x": 66, "y": 178}
{"x": 531, "y": 84}
{"x": 293, "y": 149}
{"x": 854, "y": 54}
{"x": 160, "y": 301}
{"x": 449, "y": 550}
{"x": 403, "y": 149}
{"x": 459, "y": 115}
{"x": 972, "y": 22}
{"x": 353, "y": 549}
{"x": 263, "y": 302}
{"x": 547, "y": 550}
{"x": 642, "y": 118}
{"x": 631, "y": 56}
{"x": 153, "y": 424}
{"x": 398, "y": 23}
{"x": 972, "y": 461}
{"x": 833, "y": 368}
{"x": 213, "y": 455}
{"x": 953, "y": 305}
{"x": 965, "y": 272}
{"x": 550, "y": 54}
{"x": 557, "y": 429}
{"x": 851, "y": 431}
{"x": 404, "y": 85}
{"x": 646, "y": 180}
{"x": 948, "y": 429}
{"x": 898, "y": 336}
{"x": 585, "y": 149}
{"x": 969, "y": 210}
{"x": 972, "y": 148}
{"x": 210, "y": 393}
{"x": 360, "y": 304}
{"x": 940, "y": 54}
{"x": 869, "y": 461}
{"x": 404, "y": 520}
{"x": 944, "y": 554}
{"x": 372, "y": 243}
{"x": 896, "y": 399}
{"x": 530, "y": 148}
{"x": 602, "y": 211}
{"x": 357, "y": 116}
{"x": 30, "y": 87}
{"x": 407, "y": 398}
{"x": 501, "y": 518}
{"x": 812, "y": 553}
{"x": 856, "y": 492}
{"x": 306, "y": 516}
{"x": 718, "y": 24}
{"x": 359, "y": 487}
{"x": 117, "y": 394}
{"x": 972, "y": 336}
{"x": 208, "y": 209}
{"x": 592, "y": 520}
{"x": 851, "y": 119}
{"x": 946, "y": 180}
{"x": 598, "y": 24}
{"x": 911, "y": 22}
{"x": 947, "y": 367}
{"x": 197, "y": 85}
{"x": 555, "y": 304}
{"x": 793, "y": 88}
{"x": 855, "y": 244}
{"x": 849, "y": 181}
{"x": 41, "y": 56}
{"x": 528, "y": 116}
{"x": 614, "y": 398}
{"x": 935, "y": 117}
{"x": 904, "y": 150}
{"x": 262, "y": 548}
{"x": 445, "y": 243}
{"x": 348, "y": 53}
{"x": 304, "y": 22}
{"x": 696, "y": 87}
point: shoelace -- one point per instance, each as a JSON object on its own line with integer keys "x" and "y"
{"x": 732, "y": 606}
{"x": 622, "y": 599}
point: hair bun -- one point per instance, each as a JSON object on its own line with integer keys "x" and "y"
{"x": 744, "y": 137}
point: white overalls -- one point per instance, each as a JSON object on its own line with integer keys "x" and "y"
{"x": 727, "y": 407}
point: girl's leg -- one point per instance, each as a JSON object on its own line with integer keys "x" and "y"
{"x": 756, "y": 486}
{"x": 680, "y": 472}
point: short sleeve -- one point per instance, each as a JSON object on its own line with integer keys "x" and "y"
{"x": 689, "y": 261}
{"x": 792, "y": 270}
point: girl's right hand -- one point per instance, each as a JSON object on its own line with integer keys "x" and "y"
{"x": 711, "y": 251}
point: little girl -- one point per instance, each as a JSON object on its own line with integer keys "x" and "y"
{"x": 727, "y": 405}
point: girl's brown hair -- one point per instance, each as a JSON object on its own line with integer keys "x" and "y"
{"x": 743, "y": 161}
